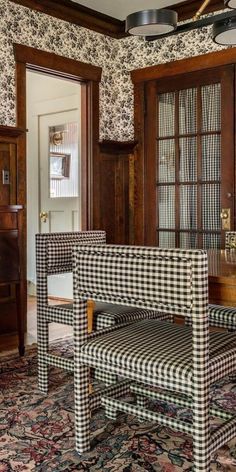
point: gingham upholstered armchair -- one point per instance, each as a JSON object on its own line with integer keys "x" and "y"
{"x": 176, "y": 359}
{"x": 221, "y": 316}
{"x": 54, "y": 256}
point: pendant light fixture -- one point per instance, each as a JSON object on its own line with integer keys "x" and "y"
{"x": 224, "y": 32}
{"x": 230, "y": 4}
{"x": 151, "y": 22}
{"x": 155, "y": 24}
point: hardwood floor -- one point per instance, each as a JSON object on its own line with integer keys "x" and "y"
{"x": 56, "y": 331}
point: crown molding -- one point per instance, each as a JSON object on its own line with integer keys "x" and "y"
{"x": 77, "y": 14}
{"x": 86, "y": 17}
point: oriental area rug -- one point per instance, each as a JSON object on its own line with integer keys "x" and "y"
{"x": 37, "y": 431}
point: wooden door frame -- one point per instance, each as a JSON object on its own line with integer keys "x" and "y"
{"x": 27, "y": 58}
{"x": 140, "y": 78}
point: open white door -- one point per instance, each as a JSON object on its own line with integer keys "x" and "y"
{"x": 59, "y": 202}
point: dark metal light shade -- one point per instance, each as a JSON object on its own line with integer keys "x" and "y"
{"x": 151, "y": 22}
{"x": 230, "y": 3}
{"x": 224, "y": 32}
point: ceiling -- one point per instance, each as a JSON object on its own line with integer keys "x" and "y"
{"x": 121, "y": 8}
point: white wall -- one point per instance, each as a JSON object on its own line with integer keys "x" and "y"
{"x": 42, "y": 92}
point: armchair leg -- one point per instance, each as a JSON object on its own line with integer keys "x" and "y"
{"x": 201, "y": 435}
{"x": 20, "y": 318}
{"x": 43, "y": 342}
{"x": 82, "y": 408}
{"x": 141, "y": 401}
{"x": 111, "y": 413}
{"x": 202, "y": 459}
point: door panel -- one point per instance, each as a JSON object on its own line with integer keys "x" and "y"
{"x": 60, "y": 183}
{"x": 189, "y": 158}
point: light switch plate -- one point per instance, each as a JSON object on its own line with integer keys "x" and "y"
{"x": 5, "y": 177}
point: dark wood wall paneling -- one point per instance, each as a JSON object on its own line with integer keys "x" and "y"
{"x": 10, "y": 195}
{"x": 80, "y": 15}
{"x": 114, "y": 191}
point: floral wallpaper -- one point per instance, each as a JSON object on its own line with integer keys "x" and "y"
{"x": 116, "y": 57}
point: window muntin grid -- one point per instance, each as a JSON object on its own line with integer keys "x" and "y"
{"x": 196, "y": 146}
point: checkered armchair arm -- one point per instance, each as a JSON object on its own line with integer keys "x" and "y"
{"x": 176, "y": 359}
{"x": 54, "y": 250}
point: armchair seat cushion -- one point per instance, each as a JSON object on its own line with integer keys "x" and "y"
{"x": 154, "y": 349}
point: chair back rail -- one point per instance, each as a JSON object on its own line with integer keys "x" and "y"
{"x": 169, "y": 280}
{"x": 54, "y": 250}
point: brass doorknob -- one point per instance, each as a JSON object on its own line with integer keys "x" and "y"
{"x": 43, "y": 216}
{"x": 225, "y": 218}
{"x": 224, "y": 214}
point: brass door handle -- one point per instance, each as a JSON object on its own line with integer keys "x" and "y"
{"x": 225, "y": 217}
{"x": 224, "y": 214}
{"x": 43, "y": 216}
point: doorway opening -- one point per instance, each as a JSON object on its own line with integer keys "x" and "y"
{"x": 59, "y": 165}
{"x": 53, "y": 174}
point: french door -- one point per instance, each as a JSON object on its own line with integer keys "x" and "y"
{"x": 189, "y": 159}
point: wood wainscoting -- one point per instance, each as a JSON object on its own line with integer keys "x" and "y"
{"x": 114, "y": 190}
{"x": 11, "y": 194}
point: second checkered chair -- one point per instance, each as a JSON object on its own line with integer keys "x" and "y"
{"x": 54, "y": 256}
{"x": 221, "y": 316}
{"x": 181, "y": 361}
{"x": 230, "y": 240}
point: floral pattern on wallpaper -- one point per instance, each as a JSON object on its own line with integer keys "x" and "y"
{"x": 116, "y": 57}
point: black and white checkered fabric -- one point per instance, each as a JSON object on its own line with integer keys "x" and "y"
{"x": 230, "y": 240}
{"x": 54, "y": 256}
{"x": 222, "y": 317}
{"x": 178, "y": 359}
{"x": 54, "y": 250}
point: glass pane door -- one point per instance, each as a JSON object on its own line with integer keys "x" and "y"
{"x": 191, "y": 179}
